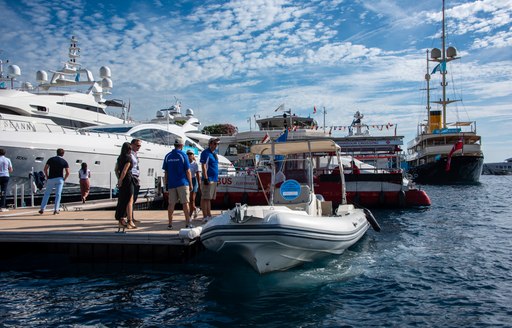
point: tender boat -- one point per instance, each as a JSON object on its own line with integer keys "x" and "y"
{"x": 297, "y": 226}
{"x": 444, "y": 153}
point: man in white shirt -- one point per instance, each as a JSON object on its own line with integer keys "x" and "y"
{"x": 5, "y": 170}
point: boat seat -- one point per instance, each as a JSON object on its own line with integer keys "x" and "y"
{"x": 301, "y": 202}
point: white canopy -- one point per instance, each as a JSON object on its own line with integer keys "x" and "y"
{"x": 295, "y": 147}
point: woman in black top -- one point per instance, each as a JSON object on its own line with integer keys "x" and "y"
{"x": 126, "y": 188}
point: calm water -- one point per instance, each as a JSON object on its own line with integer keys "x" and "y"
{"x": 448, "y": 265}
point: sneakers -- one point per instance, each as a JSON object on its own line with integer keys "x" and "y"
{"x": 195, "y": 213}
{"x": 169, "y": 227}
{"x": 189, "y": 226}
{"x": 206, "y": 219}
{"x": 41, "y": 211}
{"x": 4, "y": 210}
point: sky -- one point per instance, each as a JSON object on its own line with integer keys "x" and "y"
{"x": 231, "y": 61}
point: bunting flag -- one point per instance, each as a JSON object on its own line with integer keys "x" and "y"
{"x": 458, "y": 145}
{"x": 314, "y": 109}
{"x": 266, "y": 138}
{"x": 441, "y": 67}
{"x": 281, "y": 107}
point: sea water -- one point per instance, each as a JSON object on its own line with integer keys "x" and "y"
{"x": 448, "y": 265}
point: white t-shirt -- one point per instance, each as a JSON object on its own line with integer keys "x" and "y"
{"x": 5, "y": 164}
{"x": 194, "y": 168}
{"x": 84, "y": 175}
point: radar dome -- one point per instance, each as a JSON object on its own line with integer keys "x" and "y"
{"x": 159, "y": 114}
{"x": 41, "y": 76}
{"x": 436, "y": 53}
{"x": 26, "y": 86}
{"x": 189, "y": 112}
{"x": 451, "y": 52}
{"x": 14, "y": 70}
{"x": 106, "y": 83}
{"x": 105, "y": 72}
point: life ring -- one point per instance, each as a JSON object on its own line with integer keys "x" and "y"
{"x": 371, "y": 219}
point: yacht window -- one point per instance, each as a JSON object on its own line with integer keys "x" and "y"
{"x": 120, "y": 129}
{"x": 39, "y": 159}
{"x": 78, "y": 161}
{"x": 97, "y": 162}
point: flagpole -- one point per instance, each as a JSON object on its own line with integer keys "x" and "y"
{"x": 324, "y": 119}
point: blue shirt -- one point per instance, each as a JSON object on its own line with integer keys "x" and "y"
{"x": 176, "y": 165}
{"x": 212, "y": 164}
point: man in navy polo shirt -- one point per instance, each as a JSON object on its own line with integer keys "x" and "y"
{"x": 179, "y": 180}
{"x": 210, "y": 168}
{"x": 58, "y": 173}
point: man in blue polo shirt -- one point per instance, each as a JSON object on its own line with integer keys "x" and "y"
{"x": 210, "y": 168}
{"x": 179, "y": 180}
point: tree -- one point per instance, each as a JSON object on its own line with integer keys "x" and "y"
{"x": 220, "y": 129}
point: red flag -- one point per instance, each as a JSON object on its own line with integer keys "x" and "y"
{"x": 266, "y": 138}
{"x": 458, "y": 145}
{"x": 314, "y": 109}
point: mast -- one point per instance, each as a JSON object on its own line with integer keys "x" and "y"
{"x": 427, "y": 78}
{"x": 442, "y": 57}
{"x": 443, "y": 71}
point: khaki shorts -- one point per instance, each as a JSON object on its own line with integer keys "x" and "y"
{"x": 179, "y": 195}
{"x": 209, "y": 191}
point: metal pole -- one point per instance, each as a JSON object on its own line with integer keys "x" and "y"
{"x": 32, "y": 191}
{"x": 110, "y": 183}
{"x": 15, "y": 196}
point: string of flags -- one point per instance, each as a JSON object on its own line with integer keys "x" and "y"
{"x": 379, "y": 127}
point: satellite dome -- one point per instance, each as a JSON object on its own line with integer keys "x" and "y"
{"x": 105, "y": 72}
{"x": 435, "y": 54}
{"x": 14, "y": 70}
{"x": 189, "y": 112}
{"x": 451, "y": 52}
{"x": 41, "y": 76}
{"x": 159, "y": 114}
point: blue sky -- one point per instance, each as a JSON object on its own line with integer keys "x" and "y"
{"x": 231, "y": 60}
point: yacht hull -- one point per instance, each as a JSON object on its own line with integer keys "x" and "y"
{"x": 463, "y": 170}
{"x": 368, "y": 190}
{"x": 281, "y": 238}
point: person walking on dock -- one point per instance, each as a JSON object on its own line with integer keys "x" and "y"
{"x": 126, "y": 186}
{"x": 135, "y": 145}
{"x": 84, "y": 174}
{"x": 179, "y": 180}
{"x": 194, "y": 172}
{"x": 56, "y": 171}
{"x": 5, "y": 170}
{"x": 210, "y": 167}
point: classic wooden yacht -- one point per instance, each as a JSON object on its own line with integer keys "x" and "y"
{"x": 444, "y": 153}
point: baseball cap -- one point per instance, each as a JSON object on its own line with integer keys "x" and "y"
{"x": 190, "y": 152}
{"x": 178, "y": 141}
{"x": 213, "y": 140}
